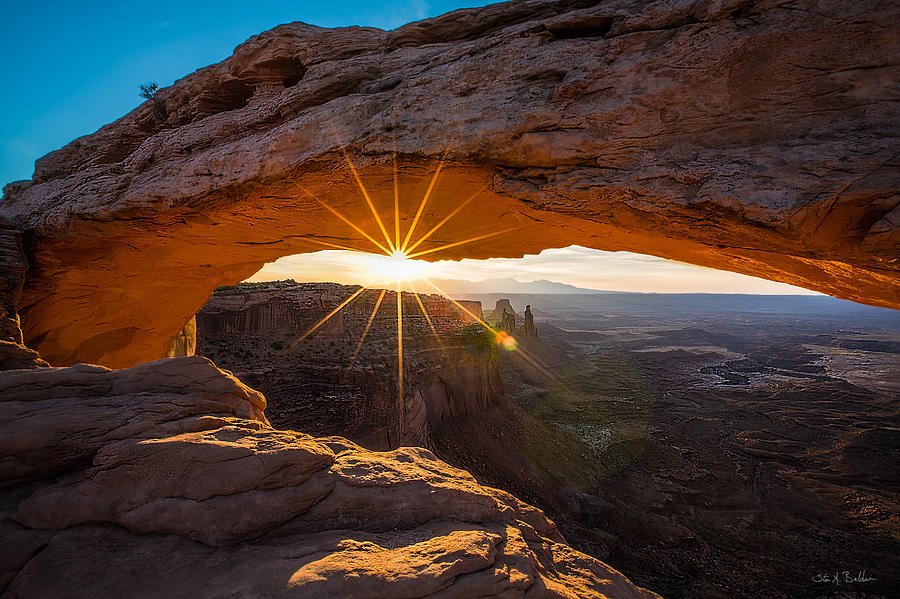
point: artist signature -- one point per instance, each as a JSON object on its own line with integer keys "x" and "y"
{"x": 845, "y": 577}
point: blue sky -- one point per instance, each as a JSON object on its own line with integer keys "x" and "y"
{"x": 71, "y": 67}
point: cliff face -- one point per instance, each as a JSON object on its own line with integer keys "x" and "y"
{"x": 757, "y": 136}
{"x": 472, "y": 310}
{"x": 500, "y": 307}
{"x": 185, "y": 342}
{"x": 13, "y": 266}
{"x": 753, "y": 136}
{"x": 323, "y": 384}
{"x": 167, "y": 477}
{"x": 173, "y": 482}
{"x": 285, "y": 308}
{"x": 271, "y": 312}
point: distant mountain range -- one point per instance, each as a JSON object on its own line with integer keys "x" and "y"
{"x": 492, "y": 286}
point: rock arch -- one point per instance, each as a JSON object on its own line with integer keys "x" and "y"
{"x": 759, "y": 137}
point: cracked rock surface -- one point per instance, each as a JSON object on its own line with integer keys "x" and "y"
{"x": 167, "y": 476}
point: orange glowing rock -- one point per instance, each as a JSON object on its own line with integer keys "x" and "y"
{"x": 707, "y": 142}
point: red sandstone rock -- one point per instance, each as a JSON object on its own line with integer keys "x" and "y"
{"x": 185, "y": 342}
{"x": 54, "y": 419}
{"x": 748, "y": 135}
{"x": 15, "y": 356}
{"x": 166, "y": 478}
{"x": 322, "y": 384}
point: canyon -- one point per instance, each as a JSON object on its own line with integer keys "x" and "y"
{"x": 708, "y": 446}
{"x": 337, "y": 382}
{"x": 572, "y": 122}
{"x": 664, "y": 425}
{"x": 756, "y": 136}
{"x": 168, "y": 475}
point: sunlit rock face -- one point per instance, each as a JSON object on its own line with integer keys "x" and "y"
{"x": 752, "y": 136}
{"x": 167, "y": 477}
{"x": 13, "y": 266}
{"x": 342, "y": 379}
{"x": 185, "y": 342}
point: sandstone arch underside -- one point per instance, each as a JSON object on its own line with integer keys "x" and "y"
{"x": 756, "y": 137}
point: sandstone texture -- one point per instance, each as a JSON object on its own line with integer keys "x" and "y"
{"x": 167, "y": 478}
{"x": 57, "y": 418}
{"x": 757, "y": 136}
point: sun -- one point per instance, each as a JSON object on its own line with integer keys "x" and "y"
{"x": 394, "y": 261}
{"x": 395, "y": 266}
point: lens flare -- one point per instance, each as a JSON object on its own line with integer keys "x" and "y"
{"x": 506, "y": 341}
{"x": 397, "y": 264}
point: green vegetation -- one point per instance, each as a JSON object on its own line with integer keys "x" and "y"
{"x": 478, "y": 338}
{"x": 604, "y": 401}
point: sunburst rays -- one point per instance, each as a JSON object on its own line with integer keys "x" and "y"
{"x": 344, "y": 218}
{"x": 365, "y": 332}
{"x": 327, "y": 317}
{"x": 371, "y": 205}
{"x": 500, "y": 337}
{"x": 433, "y": 328}
{"x": 457, "y": 243}
{"x": 443, "y": 221}
{"x": 421, "y": 209}
{"x": 396, "y": 203}
{"x": 401, "y": 246}
{"x": 401, "y": 404}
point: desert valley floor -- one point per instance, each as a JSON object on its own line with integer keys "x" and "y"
{"x": 707, "y": 446}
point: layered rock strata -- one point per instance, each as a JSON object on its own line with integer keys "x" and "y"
{"x": 179, "y": 484}
{"x": 343, "y": 378}
{"x": 757, "y": 136}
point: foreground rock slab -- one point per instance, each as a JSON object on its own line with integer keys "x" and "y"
{"x": 167, "y": 479}
{"x": 756, "y": 136}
